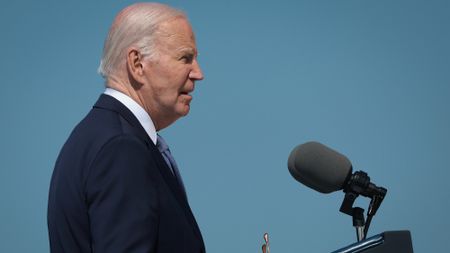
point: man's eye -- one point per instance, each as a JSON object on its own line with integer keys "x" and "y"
{"x": 187, "y": 58}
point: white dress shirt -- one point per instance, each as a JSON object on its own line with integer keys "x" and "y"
{"x": 137, "y": 111}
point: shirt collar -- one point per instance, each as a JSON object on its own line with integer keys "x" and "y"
{"x": 137, "y": 110}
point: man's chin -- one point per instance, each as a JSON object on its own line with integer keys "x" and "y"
{"x": 184, "y": 110}
{"x": 185, "y": 105}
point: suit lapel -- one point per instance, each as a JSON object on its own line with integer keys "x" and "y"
{"x": 176, "y": 189}
{"x": 110, "y": 103}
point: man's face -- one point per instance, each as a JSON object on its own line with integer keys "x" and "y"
{"x": 170, "y": 79}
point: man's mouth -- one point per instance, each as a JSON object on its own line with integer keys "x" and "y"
{"x": 186, "y": 92}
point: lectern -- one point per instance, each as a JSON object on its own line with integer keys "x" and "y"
{"x": 387, "y": 242}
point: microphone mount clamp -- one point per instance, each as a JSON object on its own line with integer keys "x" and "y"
{"x": 357, "y": 184}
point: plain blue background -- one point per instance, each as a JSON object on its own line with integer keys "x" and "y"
{"x": 368, "y": 78}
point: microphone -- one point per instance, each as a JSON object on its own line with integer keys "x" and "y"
{"x": 326, "y": 170}
{"x": 319, "y": 167}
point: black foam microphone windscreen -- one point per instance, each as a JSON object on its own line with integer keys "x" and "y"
{"x": 319, "y": 167}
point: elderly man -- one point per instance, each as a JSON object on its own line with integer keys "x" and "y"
{"x": 116, "y": 186}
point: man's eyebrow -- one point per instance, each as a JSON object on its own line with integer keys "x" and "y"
{"x": 187, "y": 50}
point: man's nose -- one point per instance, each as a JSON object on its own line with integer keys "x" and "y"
{"x": 196, "y": 72}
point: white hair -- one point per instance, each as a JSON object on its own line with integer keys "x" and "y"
{"x": 136, "y": 26}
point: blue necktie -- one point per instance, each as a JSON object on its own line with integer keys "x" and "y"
{"x": 165, "y": 152}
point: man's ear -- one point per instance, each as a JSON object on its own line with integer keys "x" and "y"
{"x": 135, "y": 65}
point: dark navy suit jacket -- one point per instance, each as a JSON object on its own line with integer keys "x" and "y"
{"x": 111, "y": 190}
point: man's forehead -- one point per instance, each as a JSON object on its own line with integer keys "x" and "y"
{"x": 176, "y": 27}
{"x": 177, "y": 33}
